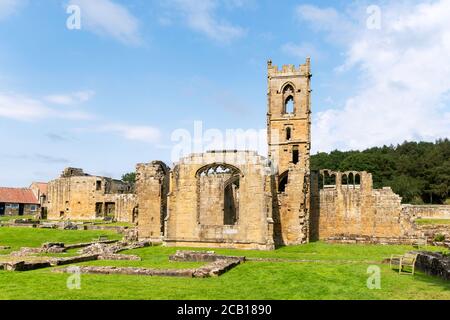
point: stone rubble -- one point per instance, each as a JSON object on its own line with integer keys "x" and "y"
{"x": 434, "y": 263}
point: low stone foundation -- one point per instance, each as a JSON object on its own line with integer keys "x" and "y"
{"x": 217, "y": 265}
{"x": 223, "y": 245}
{"x": 356, "y": 239}
{"x": 116, "y": 256}
{"x": 435, "y": 264}
{"x": 25, "y": 259}
{"x": 71, "y": 260}
{"x": 200, "y": 256}
{"x": 24, "y": 266}
{"x": 432, "y": 230}
{"x": 131, "y": 271}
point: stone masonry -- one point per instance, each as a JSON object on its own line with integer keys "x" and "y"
{"x": 79, "y": 196}
{"x": 239, "y": 199}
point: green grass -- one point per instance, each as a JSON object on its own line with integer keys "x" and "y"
{"x": 35, "y": 237}
{"x": 340, "y": 272}
{"x": 433, "y": 221}
{"x": 8, "y": 218}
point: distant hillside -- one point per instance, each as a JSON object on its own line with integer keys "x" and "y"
{"x": 417, "y": 171}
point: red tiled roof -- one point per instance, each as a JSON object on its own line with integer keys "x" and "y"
{"x": 42, "y": 186}
{"x": 17, "y": 195}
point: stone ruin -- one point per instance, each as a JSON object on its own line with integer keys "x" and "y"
{"x": 239, "y": 199}
{"x": 216, "y": 266}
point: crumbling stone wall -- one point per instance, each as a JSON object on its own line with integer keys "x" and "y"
{"x": 152, "y": 187}
{"x": 428, "y": 211}
{"x": 188, "y": 221}
{"x": 79, "y": 196}
{"x": 293, "y": 204}
{"x": 357, "y": 209}
{"x": 125, "y": 206}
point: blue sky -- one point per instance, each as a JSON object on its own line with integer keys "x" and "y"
{"x": 110, "y": 94}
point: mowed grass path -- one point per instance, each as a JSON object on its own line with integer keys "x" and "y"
{"x": 339, "y": 273}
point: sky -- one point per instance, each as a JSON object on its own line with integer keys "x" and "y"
{"x": 105, "y": 84}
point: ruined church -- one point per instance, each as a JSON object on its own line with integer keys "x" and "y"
{"x": 239, "y": 199}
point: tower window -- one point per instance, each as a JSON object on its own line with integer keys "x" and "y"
{"x": 289, "y": 105}
{"x": 288, "y": 133}
{"x": 283, "y": 182}
{"x": 295, "y": 155}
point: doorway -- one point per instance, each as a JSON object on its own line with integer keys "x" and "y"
{"x": 2, "y": 209}
{"x": 21, "y": 209}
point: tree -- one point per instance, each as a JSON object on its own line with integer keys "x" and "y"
{"x": 415, "y": 170}
{"x": 407, "y": 187}
{"x": 129, "y": 177}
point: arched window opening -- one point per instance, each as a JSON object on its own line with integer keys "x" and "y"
{"x": 289, "y": 105}
{"x": 330, "y": 180}
{"x": 231, "y": 201}
{"x": 218, "y": 194}
{"x": 344, "y": 180}
{"x": 351, "y": 179}
{"x": 217, "y": 168}
{"x": 295, "y": 155}
{"x": 283, "y": 181}
{"x": 288, "y": 90}
{"x": 357, "y": 179}
{"x": 288, "y": 133}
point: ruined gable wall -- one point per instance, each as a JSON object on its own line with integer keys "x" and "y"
{"x": 359, "y": 210}
{"x": 74, "y": 196}
{"x": 124, "y": 206}
{"x": 252, "y": 229}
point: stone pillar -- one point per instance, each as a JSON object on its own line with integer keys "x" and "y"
{"x": 152, "y": 182}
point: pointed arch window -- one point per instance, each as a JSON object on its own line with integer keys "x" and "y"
{"x": 289, "y": 105}
{"x": 288, "y": 99}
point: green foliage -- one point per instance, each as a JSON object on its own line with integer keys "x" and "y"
{"x": 129, "y": 177}
{"x": 408, "y": 187}
{"x": 439, "y": 238}
{"x": 418, "y": 171}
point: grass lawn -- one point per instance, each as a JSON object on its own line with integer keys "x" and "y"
{"x": 8, "y": 218}
{"x": 433, "y": 221}
{"x": 333, "y": 272}
{"x": 35, "y": 237}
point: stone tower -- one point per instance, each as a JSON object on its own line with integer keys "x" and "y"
{"x": 289, "y": 141}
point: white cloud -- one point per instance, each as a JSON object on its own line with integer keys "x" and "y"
{"x": 201, "y": 17}
{"x": 9, "y": 7}
{"x": 106, "y": 18}
{"x": 71, "y": 98}
{"x": 404, "y": 76}
{"x": 136, "y": 133}
{"x": 23, "y": 108}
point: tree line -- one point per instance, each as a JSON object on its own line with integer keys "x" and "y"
{"x": 418, "y": 171}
